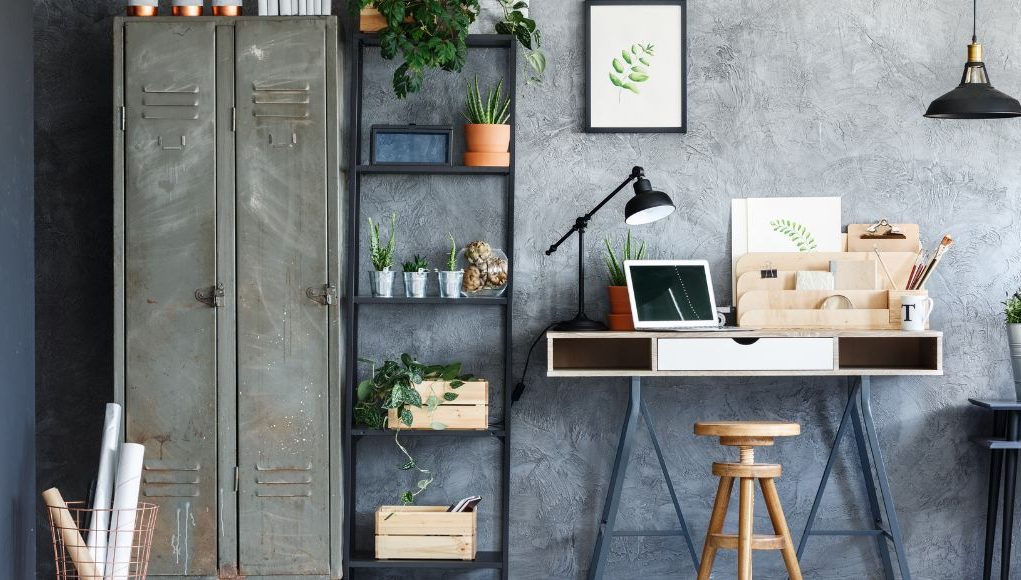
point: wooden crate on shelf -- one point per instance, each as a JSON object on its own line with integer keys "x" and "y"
{"x": 424, "y": 532}
{"x": 470, "y": 410}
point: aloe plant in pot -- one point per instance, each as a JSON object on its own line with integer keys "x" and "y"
{"x": 620, "y": 317}
{"x": 382, "y": 257}
{"x": 450, "y": 279}
{"x": 487, "y": 134}
{"x": 1012, "y": 315}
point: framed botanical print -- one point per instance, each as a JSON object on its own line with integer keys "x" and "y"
{"x": 637, "y": 75}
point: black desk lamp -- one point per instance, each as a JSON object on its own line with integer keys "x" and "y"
{"x": 647, "y": 206}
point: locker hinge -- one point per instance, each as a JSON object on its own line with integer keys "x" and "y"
{"x": 325, "y": 294}
{"x": 233, "y": 119}
{"x": 211, "y": 296}
{"x": 124, "y": 117}
{"x": 237, "y": 478}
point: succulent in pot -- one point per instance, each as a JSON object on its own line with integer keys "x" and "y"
{"x": 450, "y": 279}
{"x": 487, "y": 134}
{"x": 1012, "y": 316}
{"x": 416, "y": 274}
{"x": 382, "y": 257}
{"x": 620, "y": 317}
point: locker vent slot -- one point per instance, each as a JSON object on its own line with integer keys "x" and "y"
{"x": 283, "y": 481}
{"x": 281, "y": 100}
{"x": 166, "y": 479}
{"x": 180, "y": 103}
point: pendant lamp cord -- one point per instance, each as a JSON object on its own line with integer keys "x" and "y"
{"x": 974, "y": 18}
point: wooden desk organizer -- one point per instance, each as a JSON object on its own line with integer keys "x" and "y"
{"x": 469, "y": 411}
{"x": 424, "y": 532}
{"x": 773, "y": 303}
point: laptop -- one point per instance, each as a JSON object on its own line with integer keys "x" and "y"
{"x": 672, "y": 295}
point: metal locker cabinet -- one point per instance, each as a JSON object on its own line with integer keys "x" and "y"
{"x": 284, "y": 298}
{"x": 168, "y": 253}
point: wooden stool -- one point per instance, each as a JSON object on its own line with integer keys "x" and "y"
{"x": 746, "y": 435}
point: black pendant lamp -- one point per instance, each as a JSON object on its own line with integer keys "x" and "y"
{"x": 974, "y": 98}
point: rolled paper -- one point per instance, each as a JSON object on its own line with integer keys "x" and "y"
{"x": 125, "y": 501}
{"x": 99, "y": 527}
{"x": 75, "y": 546}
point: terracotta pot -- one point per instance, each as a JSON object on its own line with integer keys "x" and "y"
{"x": 487, "y": 145}
{"x": 620, "y": 309}
{"x": 370, "y": 20}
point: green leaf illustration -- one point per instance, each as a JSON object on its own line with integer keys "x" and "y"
{"x": 632, "y": 88}
{"x": 616, "y": 80}
{"x": 631, "y": 67}
{"x": 638, "y": 77}
{"x": 617, "y": 65}
{"x": 625, "y": 56}
{"x": 797, "y": 233}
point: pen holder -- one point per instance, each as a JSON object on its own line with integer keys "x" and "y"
{"x": 424, "y": 532}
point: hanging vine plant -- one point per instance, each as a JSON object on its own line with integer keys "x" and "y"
{"x": 425, "y": 33}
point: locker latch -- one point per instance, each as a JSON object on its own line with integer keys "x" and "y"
{"x": 325, "y": 294}
{"x": 211, "y": 296}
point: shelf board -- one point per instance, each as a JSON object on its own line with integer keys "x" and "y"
{"x": 474, "y": 40}
{"x": 498, "y": 433}
{"x": 430, "y": 170}
{"x": 496, "y": 301}
{"x": 482, "y": 560}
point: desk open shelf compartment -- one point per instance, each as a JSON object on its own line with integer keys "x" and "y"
{"x": 602, "y": 354}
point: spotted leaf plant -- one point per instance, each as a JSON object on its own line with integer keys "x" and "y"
{"x": 631, "y": 68}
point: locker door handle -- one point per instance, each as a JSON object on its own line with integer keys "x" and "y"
{"x": 294, "y": 141}
{"x": 325, "y": 294}
{"x": 211, "y": 296}
{"x": 184, "y": 142}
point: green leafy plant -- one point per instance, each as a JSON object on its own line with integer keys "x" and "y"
{"x": 391, "y": 385}
{"x": 382, "y": 255}
{"x": 615, "y": 264}
{"x": 527, "y": 33}
{"x": 796, "y": 233}
{"x": 415, "y": 264}
{"x": 632, "y": 67}
{"x": 1012, "y": 308}
{"x": 494, "y": 109}
{"x": 452, "y": 255}
{"x": 425, "y": 33}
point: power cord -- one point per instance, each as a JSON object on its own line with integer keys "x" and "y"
{"x": 519, "y": 388}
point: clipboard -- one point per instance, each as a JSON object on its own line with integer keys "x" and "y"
{"x": 883, "y": 236}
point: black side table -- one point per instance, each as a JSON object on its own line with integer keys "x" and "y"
{"x": 1003, "y": 445}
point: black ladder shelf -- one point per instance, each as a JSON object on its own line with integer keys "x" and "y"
{"x": 353, "y": 302}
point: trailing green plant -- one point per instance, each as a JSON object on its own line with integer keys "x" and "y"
{"x": 382, "y": 255}
{"x": 452, "y": 255}
{"x": 425, "y": 33}
{"x": 415, "y": 264}
{"x": 1012, "y": 308}
{"x": 796, "y": 233}
{"x": 391, "y": 385}
{"x": 632, "y": 67}
{"x": 494, "y": 109}
{"x": 615, "y": 264}
{"x": 526, "y": 32}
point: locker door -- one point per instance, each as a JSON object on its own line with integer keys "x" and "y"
{"x": 169, "y": 254}
{"x": 283, "y": 355}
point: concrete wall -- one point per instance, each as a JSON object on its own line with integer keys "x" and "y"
{"x": 17, "y": 327}
{"x": 786, "y": 98}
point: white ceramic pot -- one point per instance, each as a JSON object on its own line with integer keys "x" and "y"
{"x": 1014, "y": 342}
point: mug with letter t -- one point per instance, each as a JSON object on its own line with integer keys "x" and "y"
{"x": 915, "y": 311}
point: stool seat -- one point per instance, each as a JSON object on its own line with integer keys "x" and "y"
{"x": 747, "y": 429}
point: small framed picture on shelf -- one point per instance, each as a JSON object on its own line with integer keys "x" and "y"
{"x": 411, "y": 144}
{"x": 637, "y": 76}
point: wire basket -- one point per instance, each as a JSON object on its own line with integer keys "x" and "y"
{"x": 125, "y": 560}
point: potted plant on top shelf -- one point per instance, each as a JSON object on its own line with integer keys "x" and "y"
{"x": 620, "y": 317}
{"x": 1012, "y": 315}
{"x": 487, "y": 134}
{"x": 416, "y": 274}
{"x": 382, "y": 257}
{"x": 450, "y": 279}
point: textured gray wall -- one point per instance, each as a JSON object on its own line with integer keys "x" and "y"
{"x": 786, "y": 98}
{"x": 17, "y": 301}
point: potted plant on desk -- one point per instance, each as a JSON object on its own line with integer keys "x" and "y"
{"x": 1012, "y": 313}
{"x": 620, "y": 317}
{"x": 382, "y": 257}
{"x": 487, "y": 134}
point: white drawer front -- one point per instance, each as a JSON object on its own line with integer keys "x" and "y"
{"x": 727, "y": 354}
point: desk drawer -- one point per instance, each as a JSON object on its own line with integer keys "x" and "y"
{"x": 729, "y": 354}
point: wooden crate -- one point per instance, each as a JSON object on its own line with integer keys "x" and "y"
{"x": 424, "y": 532}
{"x": 470, "y": 410}
{"x": 783, "y": 309}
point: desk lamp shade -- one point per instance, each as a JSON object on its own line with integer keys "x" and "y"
{"x": 648, "y": 205}
{"x": 975, "y": 97}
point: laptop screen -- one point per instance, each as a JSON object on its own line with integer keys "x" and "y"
{"x": 672, "y": 293}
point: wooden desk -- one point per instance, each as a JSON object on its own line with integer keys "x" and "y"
{"x": 857, "y": 355}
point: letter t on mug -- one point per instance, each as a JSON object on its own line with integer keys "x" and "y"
{"x": 915, "y": 312}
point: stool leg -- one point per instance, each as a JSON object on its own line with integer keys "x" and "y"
{"x": 715, "y": 526}
{"x": 744, "y": 529}
{"x": 790, "y": 557}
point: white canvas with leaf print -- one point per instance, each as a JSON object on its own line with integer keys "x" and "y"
{"x": 635, "y": 66}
